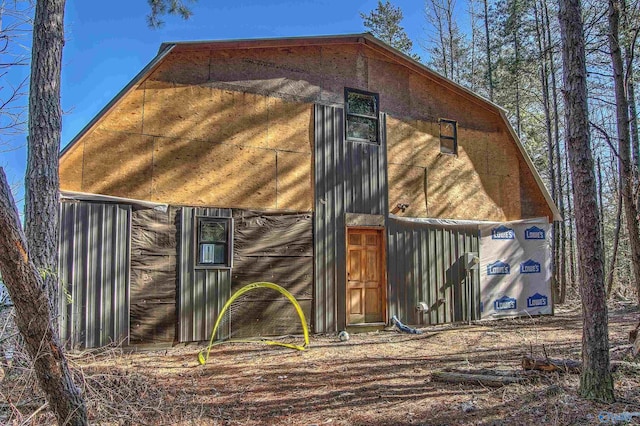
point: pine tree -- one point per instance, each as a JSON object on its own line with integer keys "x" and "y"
{"x": 596, "y": 381}
{"x": 384, "y": 23}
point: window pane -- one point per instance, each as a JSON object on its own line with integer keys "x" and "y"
{"x": 213, "y": 232}
{"x": 362, "y": 128}
{"x": 212, "y": 253}
{"x": 447, "y": 146}
{"x": 447, "y": 129}
{"x": 358, "y": 103}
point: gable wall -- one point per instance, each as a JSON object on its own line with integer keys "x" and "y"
{"x": 233, "y": 128}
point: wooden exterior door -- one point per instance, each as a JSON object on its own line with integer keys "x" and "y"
{"x": 366, "y": 293}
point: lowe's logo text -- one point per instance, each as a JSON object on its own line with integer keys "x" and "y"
{"x": 537, "y": 301}
{"x": 505, "y": 303}
{"x": 502, "y": 233}
{"x": 498, "y": 268}
{"x": 530, "y": 267}
{"x": 534, "y": 233}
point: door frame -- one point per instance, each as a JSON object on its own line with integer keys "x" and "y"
{"x": 383, "y": 274}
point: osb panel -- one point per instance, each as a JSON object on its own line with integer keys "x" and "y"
{"x": 406, "y": 186}
{"x": 533, "y": 203}
{"x": 201, "y": 173}
{"x": 289, "y": 125}
{"x": 426, "y": 143}
{"x": 284, "y": 72}
{"x": 184, "y": 68}
{"x": 474, "y": 145}
{"x": 71, "y": 169}
{"x": 294, "y": 181}
{"x": 127, "y": 115}
{"x": 402, "y": 141}
{"x": 190, "y": 112}
{"x": 502, "y": 156}
{"x": 118, "y": 164}
{"x": 391, "y": 79}
{"x": 224, "y": 116}
{"x": 338, "y": 66}
{"x": 511, "y": 201}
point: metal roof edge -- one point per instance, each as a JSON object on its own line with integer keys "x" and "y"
{"x": 86, "y": 196}
{"x": 140, "y": 76}
{"x": 468, "y": 222}
{"x": 545, "y": 193}
{"x": 266, "y": 39}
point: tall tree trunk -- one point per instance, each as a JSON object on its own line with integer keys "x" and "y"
{"x": 516, "y": 71}
{"x": 596, "y": 381}
{"x": 562, "y": 259}
{"x": 631, "y": 97}
{"x": 450, "y": 29}
{"x": 572, "y": 250}
{"x": 601, "y": 206}
{"x": 25, "y": 284}
{"x": 624, "y": 142}
{"x": 29, "y": 266}
{"x": 616, "y": 244}
{"x": 488, "y": 51}
{"x": 42, "y": 184}
{"x": 544, "y": 82}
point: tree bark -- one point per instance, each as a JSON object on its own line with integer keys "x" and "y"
{"x": 624, "y": 143}
{"x": 546, "y": 104}
{"x": 562, "y": 258}
{"x": 42, "y": 182}
{"x": 25, "y": 286}
{"x": 572, "y": 251}
{"x": 596, "y": 381}
{"x": 488, "y": 49}
{"x": 616, "y": 243}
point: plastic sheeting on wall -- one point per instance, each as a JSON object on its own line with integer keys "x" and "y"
{"x": 515, "y": 269}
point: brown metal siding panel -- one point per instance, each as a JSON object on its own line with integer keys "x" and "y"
{"x": 94, "y": 273}
{"x": 278, "y": 248}
{"x": 366, "y": 175}
{"x": 153, "y": 276}
{"x": 201, "y": 292}
{"x": 425, "y": 265}
{"x": 329, "y": 220}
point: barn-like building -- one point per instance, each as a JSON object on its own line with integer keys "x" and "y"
{"x": 335, "y": 166}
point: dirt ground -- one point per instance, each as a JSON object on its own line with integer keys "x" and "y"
{"x": 379, "y": 378}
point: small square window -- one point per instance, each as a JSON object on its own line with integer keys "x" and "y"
{"x": 448, "y": 136}
{"x": 213, "y": 242}
{"x": 362, "y": 111}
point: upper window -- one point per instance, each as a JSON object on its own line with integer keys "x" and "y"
{"x": 448, "y": 136}
{"x": 213, "y": 242}
{"x": 362, "y": 110}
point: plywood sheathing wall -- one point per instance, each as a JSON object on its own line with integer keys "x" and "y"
{"x": 233, "y": 128}
{"x": 176, "y": 140}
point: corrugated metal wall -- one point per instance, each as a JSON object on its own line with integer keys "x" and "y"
{"x": 349, "y": 177}
{"x": 329, "y": 219}
{"x": 365, "y": 168}
{"x": 425, "y": 264}
{"x": 94, "y": 273}
{"x": 201, "y": 292}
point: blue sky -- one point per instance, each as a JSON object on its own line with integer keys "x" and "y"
{"x": 108, "y": 43}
